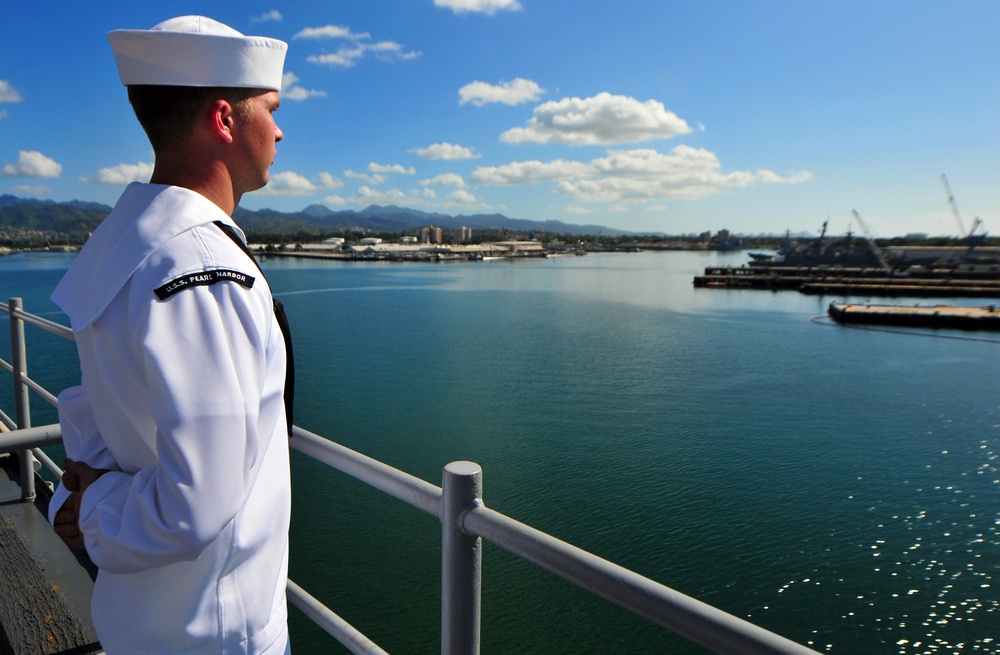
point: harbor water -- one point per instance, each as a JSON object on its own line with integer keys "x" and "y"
{"x": 838, "y": 486}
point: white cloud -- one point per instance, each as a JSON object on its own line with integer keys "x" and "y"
{"x": 123, "y": 174}
{"x": 604, "y": 119}
{"x": 8, "y": 93}
{"x": 463, "y": 196}
{"x": 645, "y": 174}
{"x": 630, "y": 176}
{"x": 334, "y": 200}
{"x": 425, "y": 196}
{"x": 770, "y": 177}
{"x": 389, "y": 48}
{"x": 391, "y": 168}
{"x": 30, "y": 190}
{"x": 465, "y": 201}
{"x": 272, "y": 16}
{"x": 370, "y": 179}
{"x": 368, "y": 196}
{"x": 577, "y": 209}
{"x": 345, "y": 57}
{"x": 445, "y": 179}
{"x": 328, "y": 181}
{"x": 290, "y": 88}
{"x": 445, "y": 151}
{"x": 301, "y": 93}
{"x": 331, "y": 32}
{"x": 31, "y": 163}
{"x": 428, "y": 197}
{"x": 348, "y": 56}
{"x": 529, "y": 172}
{"x": 358, "y": 48}
{"x": 288, "y": 183}
{"x": 515, "y": 92}
{"x": 488, "y": 7}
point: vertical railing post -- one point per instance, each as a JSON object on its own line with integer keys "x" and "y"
{"x": 19, "y": 362}
{"x": 461, "y": 560}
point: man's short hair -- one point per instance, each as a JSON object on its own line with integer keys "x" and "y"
{"x": 168, "y": 113}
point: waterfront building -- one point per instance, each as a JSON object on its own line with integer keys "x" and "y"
{"x": 430, "y": 234}
{"x": 523, "y": 248}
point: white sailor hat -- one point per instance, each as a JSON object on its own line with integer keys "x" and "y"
{"x": 197, "y": 51}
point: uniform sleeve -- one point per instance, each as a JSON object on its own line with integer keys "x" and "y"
{"x": 81, "y": 439}
{"x": 204, "y": 357}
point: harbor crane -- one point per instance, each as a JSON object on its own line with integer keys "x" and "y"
{"x": 871, "y": 241}
{"x": 961, "y": 227}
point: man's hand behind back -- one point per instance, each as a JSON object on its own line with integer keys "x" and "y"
{"x": 76, "y": 478}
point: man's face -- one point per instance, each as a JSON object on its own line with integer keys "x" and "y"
{"x": 256, "y": 134}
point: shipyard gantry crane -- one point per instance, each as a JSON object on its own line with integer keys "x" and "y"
{"x": 871, "y": 241}
{"x": 961, "y": 227}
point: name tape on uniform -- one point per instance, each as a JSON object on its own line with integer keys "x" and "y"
{"x": 201, "y": 279}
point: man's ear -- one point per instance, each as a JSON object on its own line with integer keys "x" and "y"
{"x": 222, "y": 117}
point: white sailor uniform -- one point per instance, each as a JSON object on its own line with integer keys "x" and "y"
{"x": 183, "y": 368}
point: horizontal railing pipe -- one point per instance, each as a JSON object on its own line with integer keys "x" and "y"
{"x": 403, "y": 486}
{"x": 41, "y": 391}
{"x": 8, "y": 422}
{"x": 349, "y": 636}
{"x": 33, "y": 319}
{"x": 47, "y": 462}
{"x": 690, "y": 618}
{"x": 36, "y": 437}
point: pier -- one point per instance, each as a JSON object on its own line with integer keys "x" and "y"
{"x": 969, "y": 282}
{"x": 938, "y": 316}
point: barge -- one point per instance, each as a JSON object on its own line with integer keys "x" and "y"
{"x": 937, "y": 316}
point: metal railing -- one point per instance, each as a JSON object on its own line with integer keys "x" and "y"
{"x": 465, "y": 523}
{"x": 18, "y": 367}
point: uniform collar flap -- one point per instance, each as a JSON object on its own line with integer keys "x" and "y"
{"x": 145, "y": 217}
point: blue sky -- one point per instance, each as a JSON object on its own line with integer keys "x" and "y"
{"x": 642, "y": 115}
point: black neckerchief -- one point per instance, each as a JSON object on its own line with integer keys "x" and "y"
{"x": 279, "y": 314}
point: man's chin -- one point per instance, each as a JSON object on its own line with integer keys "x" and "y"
{"x": 262, "y": 184}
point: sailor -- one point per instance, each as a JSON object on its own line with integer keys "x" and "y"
{"x": 177, "y": 471}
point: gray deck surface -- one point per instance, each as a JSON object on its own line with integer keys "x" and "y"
{"x": 45, "y": 585}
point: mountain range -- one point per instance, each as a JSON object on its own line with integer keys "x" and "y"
{"x": 78, "y": 217}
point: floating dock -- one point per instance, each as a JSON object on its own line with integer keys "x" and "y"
{"x": 937, "y": 316}
{"x": 866, "y": 281}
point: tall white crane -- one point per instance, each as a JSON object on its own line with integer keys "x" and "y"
{"x": 871, "y": 241}
{"x": 954, "y": 208}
